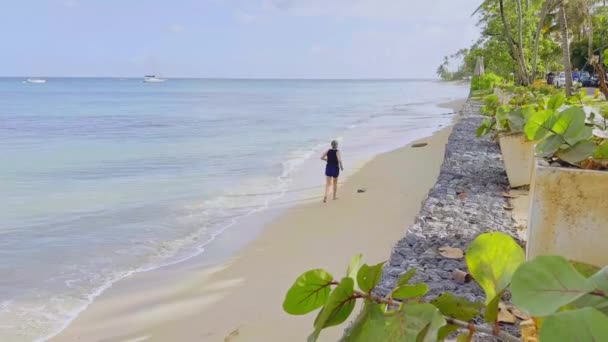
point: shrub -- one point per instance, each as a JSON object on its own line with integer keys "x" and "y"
{"x": 566, "y": 300}
{"x": 486, "y": 81}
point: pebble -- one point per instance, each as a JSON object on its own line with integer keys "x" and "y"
{"x": 472, "y": 166}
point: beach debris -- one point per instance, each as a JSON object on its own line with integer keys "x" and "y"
{"x": 504, "y": 315}
{"x": 462, "y": 195}
{"x": 518, "y": 313}
{"x": 461, "y": 277}
{"x": 508, "y": 195}
{"x": 422, "y": 144}
{"x": 362, "y": 190}
{"x": 451, "y": 252}
{"x": 529, "y": 333}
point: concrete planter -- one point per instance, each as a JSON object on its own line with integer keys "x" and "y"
{"x": 568, "y": 214}
{"x": 518, "y": 156}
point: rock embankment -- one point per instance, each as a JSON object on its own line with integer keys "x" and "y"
{"x": 466, "y": 200}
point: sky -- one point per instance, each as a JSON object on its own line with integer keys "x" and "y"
{"x": 233, "y": 38}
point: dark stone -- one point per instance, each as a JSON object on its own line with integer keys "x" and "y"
{"x": 419, "y": 144}
{"x": 473, "y": 167}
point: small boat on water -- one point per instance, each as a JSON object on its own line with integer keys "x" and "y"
{"x": 36, "y": 80}
{"x": 153, "y": 79}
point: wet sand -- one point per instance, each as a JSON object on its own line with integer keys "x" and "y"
{"x": 240, "y": 299}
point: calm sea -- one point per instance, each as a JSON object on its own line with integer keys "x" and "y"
{"x": 101, "y": 178}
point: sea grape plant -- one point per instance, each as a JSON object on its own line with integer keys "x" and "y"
{"x": 558, "y": 124}
{"x": 566, "y": 300}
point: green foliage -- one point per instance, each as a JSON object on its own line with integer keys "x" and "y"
{"x": 578, "y": 152}
{"x": 556, "y": 101}
{"x": 369, "y": 276}
{"x": 564, "y": 135}
{"x": 586, "y": 324}
{"x": 601, "y": 152}
{"x": 309, "y": 292}
{"x": 339, "y": 306}
{"x": 414, "y": 322}
{"x": 455, "y": 307}
{"x": 492, "y": 258}
{"x": 353, "y": 266}
{"x": 406, "y": 277}
{"x": 546, "y": 283}
{"x": 599, "y": 281}
{"x": 410, "y": 291}
{"x": 568, "y": 300}
{"x": 539, "y": 124}
{"x": 486, "y": 81}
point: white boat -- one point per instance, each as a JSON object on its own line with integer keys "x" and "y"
{"x": 153, "y": 79}
{"x": 36, "y": 80}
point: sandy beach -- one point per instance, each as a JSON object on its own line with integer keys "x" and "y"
{"x": 240, "y": 300}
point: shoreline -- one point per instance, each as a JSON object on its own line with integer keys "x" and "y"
{"x": 168, "y": 302}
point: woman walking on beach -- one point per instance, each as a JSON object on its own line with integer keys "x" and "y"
{"x": 332, "y": 169}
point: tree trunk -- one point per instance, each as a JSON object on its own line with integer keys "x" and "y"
{"x": 563, "y": 25}
{"x": 602, "y": 78}
{"x": 548, "y": 7}
{"x": 520, "y": 32}
{"x": 589, "y": 33}
{"x": 543, "y": 15}
{"x": 521, "y": 74}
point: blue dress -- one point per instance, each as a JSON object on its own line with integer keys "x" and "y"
{"x": 332, "y": 169}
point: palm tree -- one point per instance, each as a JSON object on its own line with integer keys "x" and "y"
{"x": 515, "y": 47}
{"x": 563, "y": 26}
{"x": 547, "y": 7}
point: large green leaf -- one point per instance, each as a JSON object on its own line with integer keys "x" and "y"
{"x": 539, "y": 124}
{"x": 586, "y": 324}
{"x": 410, "y": 291}
{"x": 412, "y": 322}
{"x": 580, "y": 151}
{"x": 600, "y": 282}
{"x": 456, "y": 307}
{"x": 492, "y": 258}
{"x": 353, "y": 268}
{"x": 570, "y": 123}
{"x": 406, "y": 277}
{"x": 546, "y": 283}
{"x": 369, "y": 325}
{"x": 486, "y": 127}
{"x": 556, "y": 101}
{"x": 309, "y": 292}
{"x": 516, "y": 120}
{"x": 369, "y": 276}
{"x": 339, "y": 306}
{"x": 549, "y": 145}
{"x": 602, "y": 151}
{"x": 427, "y": 311}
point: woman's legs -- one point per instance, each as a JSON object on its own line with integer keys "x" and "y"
{"x": 327, "y": 186}
{"x": 335, "y": 181}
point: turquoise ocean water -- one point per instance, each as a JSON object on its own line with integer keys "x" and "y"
{"x": 101, "y": 178}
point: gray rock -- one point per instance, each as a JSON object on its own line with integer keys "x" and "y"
{"x": 472, "y": 166}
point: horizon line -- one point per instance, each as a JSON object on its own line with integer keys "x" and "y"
{"x": 247, "y": 78}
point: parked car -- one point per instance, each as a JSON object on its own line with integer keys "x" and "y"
{"x": 594, "y": 81}
{"x": 550, "y": 77}
{"x": 560, "y": 80}
{"x": 585, "y": 79}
